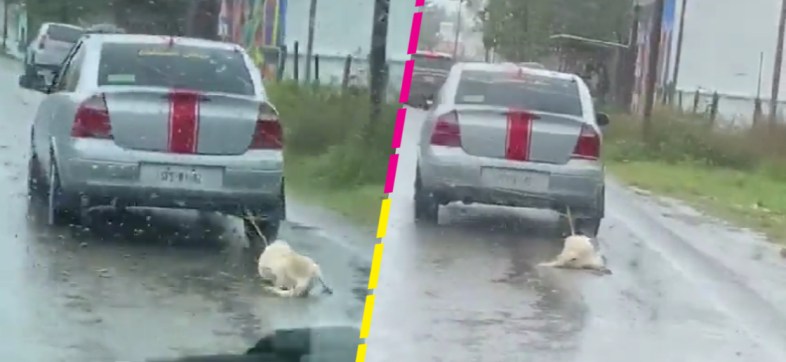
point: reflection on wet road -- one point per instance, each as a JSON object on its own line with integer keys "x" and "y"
{"x": 144, "y": 284}
{"x": 684, "y": 288}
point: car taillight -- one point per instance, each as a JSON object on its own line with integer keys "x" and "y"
{"x": 42, "y": 42}
{"x": 92, "y": 119}
{"x": 588, "y": 145}
{"x": 447, "y": 131}
{"x": 268, "y": 134}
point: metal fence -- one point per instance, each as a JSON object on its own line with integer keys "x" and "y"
{"x": 723, "y": 109}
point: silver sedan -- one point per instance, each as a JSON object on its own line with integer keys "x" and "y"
{"x": 152, "y": 121}
{"x": 501, "y": 134}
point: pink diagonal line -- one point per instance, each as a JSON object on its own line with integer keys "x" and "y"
{"x": 414, "y": 34}
{"x": 390, "y": 180}
{"x": 406, "y": 81}
{"x": 398, "y": 131}
{"x": 420, "y": 2}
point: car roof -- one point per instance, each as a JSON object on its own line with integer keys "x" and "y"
{"x": 532, "y": 65}
{"x": 507, "y": 67}
{"x": 72, "y": 26}
{"x": 429, "y": 53}
{"x": 104, "y": 27}
{"x": 157, "y": 39}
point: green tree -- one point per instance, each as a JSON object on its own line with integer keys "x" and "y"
{"x": 597, "y": 19}
{"x": 519, "y": 30}
{"x": 62, "y": 11}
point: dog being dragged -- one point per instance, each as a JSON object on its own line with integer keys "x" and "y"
{"x": 290, "y": 274}
{"x": 578, "y": 252}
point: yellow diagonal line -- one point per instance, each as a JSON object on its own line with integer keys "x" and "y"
{"x": 384, "y": 213}
{"x": 376, "y": 263}
{"x": 367, "y": 312}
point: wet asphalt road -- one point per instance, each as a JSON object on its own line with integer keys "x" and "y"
{"x": 153, "y": 284}
{"x": 685, "y": 287}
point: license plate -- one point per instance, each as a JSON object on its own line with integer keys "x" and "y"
{"x": 428, "y": 79}
{"x": 180, "y": 176}
{"x": 525, "y": 181}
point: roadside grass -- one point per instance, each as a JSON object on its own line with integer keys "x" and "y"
{"x": 360, "y": 203}
{"x": 334, "y": 156}
{"x": 735, "y": 174}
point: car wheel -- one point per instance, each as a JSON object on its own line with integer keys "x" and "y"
{"x": 30, "y": 70}
{"x": 59, "y": 211}
{"x": 35, "y": 187}
{"x": 426, "y": 208}
{"x": 589, "y": 226}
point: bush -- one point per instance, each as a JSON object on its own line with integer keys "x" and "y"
{"x": 328, "y": 136}
{"x": 678, "y": 137}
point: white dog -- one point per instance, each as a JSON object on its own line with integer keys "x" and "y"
{"x": 289, "y": 273}
{"x": 578, "y": 253}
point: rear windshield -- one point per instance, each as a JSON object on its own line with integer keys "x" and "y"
{"x": 179, "y": 66}
{"x": 63, "y": 33}
{"x": 432, "y": 62}
{"x": 528, "y": 91}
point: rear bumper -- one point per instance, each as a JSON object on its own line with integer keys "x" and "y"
{"x": 452, "y": 175}
{"x": 106, "y": 173}
{"x": 128, "y": 196}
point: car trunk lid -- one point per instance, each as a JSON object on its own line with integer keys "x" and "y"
{"x": 182, "y": 121}
{"x": 518, "y": 135}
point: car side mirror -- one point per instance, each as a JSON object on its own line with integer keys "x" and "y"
{"x": 602, "y": 119}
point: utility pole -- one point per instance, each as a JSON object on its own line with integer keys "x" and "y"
{"x": 776, "y": 71}
{"x": 757, "y": 112}
{"x": 652, "y": 67}
{"x": 631, "y": 55}
{"x": 5, "y": 23}
{"x": 678, "y": 56}
{"x": 312, "y": 17}
{"x": 458, "y": 29}
{"x": 378, "y": 58}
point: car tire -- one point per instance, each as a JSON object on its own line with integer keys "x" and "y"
{"x": 36, "y": 188}
{"x": 426, "y": 207}
{"x": 590, "y": 226}
{"x": 59, "y": 210}
{"x": 30, "y": 69}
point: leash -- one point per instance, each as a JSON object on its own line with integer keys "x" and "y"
{"x": 570, "y": 221}
{"x": 252, "y": 219}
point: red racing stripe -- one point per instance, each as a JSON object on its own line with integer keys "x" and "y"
{"x": 183, "y": 122}
{"x": 519, "y": 134}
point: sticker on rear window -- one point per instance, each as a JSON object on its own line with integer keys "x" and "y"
{"x": 473, "y": 98}
{"x": 170, "y": 53}
{"x": 121, "y": 78}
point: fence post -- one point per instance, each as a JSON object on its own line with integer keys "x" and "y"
{"x": 757, "y": 111}
{"x": 282, "y": 61}
{"x": 316, "y": 68}
{"x": 296, "y": 61}
{"x": 714, "y": 107}
{"x": 347, "y": 71}
{"x": 696, "y": 97}
{"x": 679, "y": 101}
